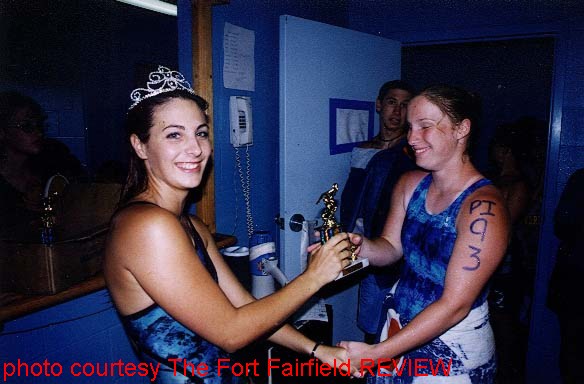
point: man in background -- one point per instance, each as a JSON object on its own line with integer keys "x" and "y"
{"x": 376, "y": 165}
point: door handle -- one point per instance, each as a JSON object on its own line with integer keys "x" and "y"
{"x": 296, "y": 222}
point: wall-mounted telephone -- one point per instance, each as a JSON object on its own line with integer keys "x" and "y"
{"x": 240, "y": 121}
{"x": 240, "y": 135}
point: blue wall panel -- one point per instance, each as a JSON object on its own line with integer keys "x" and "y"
{"x": 87, "y": 329}
{"x": 262, "y": 18}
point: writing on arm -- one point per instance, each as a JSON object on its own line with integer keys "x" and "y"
{"x": 479, "y": 227}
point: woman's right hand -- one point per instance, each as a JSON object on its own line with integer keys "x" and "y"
{"x": 327, "y": 261}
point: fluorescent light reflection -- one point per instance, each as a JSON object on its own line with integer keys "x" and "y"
{"x": 153, "y": 5}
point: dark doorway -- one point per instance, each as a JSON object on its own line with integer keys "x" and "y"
{"x": 513, "y": 78}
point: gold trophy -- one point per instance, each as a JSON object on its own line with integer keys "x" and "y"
{"x": 331, "y": 227}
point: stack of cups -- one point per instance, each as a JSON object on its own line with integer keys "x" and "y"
{"x": 261, "y": 247}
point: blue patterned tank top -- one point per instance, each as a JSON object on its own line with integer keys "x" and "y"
{"x": 428, "y": 241}
{"x": 158, "y": 337}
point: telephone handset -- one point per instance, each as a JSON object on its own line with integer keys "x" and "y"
{"x": 240, "y": 121}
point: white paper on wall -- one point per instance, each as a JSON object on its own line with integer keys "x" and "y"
{"x": 238, "y": 58}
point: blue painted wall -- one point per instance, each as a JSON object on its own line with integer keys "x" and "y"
{"x": 262, "y": 17}
{"x": 85, "y": 330}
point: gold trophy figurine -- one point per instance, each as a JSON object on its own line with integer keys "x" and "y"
{"x": 331, "y": 227}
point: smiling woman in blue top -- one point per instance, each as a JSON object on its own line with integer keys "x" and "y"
{"x": 176, "y": 295}
{"x": 450, "y": 225}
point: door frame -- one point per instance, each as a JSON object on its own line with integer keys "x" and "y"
{"x": 195, "y": 56}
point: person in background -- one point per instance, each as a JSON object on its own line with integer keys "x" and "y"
{"x": 532, "y": 159}
{"x": 505, "y": 296}
{"x": 175, "y": 294}
{"x": 564, "y": 296}
{"x": 451, "y": 227}
{"x": 505, "y": 153}
{"x": 27, "y": 161}
{"x": 376, "y": 165}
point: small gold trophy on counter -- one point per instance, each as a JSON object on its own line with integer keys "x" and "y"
{"x": 331, "y": 227}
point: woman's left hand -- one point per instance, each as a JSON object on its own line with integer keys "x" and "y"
{"x": 335, "y": 356}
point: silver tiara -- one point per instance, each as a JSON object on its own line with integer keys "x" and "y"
{"x": 160, "y": 81}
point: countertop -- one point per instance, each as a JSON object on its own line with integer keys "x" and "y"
{"x": 14, "y": 305}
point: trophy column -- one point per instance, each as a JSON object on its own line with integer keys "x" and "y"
{"x": 331, "y": 227}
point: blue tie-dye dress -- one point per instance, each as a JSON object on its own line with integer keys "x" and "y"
{"x": 468, "y": 347}
{"x": 159, "y": 338}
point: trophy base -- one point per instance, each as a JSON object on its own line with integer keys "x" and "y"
{"x": 356, "y": 265}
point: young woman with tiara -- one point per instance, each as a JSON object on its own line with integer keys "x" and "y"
{"x": 176, "y": 296}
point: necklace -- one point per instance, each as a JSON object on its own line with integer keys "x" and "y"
{"x": 390, "y": 140}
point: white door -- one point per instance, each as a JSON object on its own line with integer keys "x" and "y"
{"x": 320, "y": 62}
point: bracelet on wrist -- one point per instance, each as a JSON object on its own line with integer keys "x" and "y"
{"x": 318, "y": 343}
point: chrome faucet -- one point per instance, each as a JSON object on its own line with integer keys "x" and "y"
{"x": 50, "y": 195}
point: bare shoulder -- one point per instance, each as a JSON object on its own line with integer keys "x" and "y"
{"x": 485, "y": 204}
{"x": 405, "y": 186}
{"x": 488, "y": 195}
{"x": 138, "y": 219}
{"x": 141, "y": 229}
{"x": 413, "y": 178}
{"x": 144, "y": 240}
{"x": 410, "y": 180}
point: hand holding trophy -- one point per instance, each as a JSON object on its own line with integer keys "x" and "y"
{"x": 331, "y": 227}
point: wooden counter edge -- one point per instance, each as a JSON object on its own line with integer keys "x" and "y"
{"x": 20, "y": 305}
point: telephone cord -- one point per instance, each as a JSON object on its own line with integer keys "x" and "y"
{"x": 245, "y": 186}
